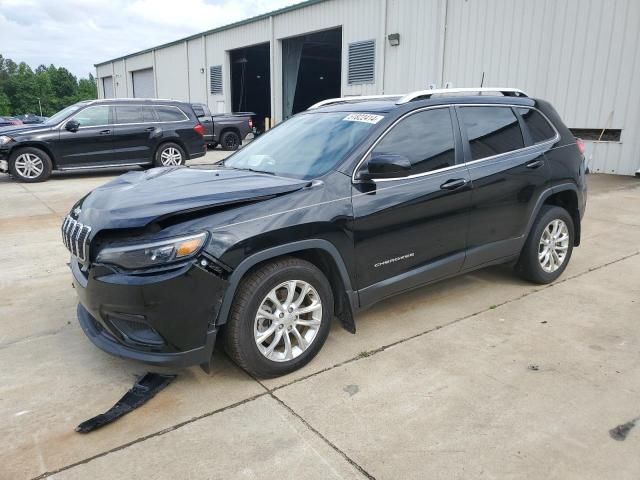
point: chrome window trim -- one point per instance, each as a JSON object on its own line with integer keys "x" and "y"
{"x": 384, "y": 134}
{"x": 551, "y": 141}
{"x": 186, "y": 117}
{"x": 472, "y": 162}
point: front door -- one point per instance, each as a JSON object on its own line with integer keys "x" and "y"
{"x": 92, "y": 143}
{"x": 411, "y": 231}
{"x": 508, "y": 171}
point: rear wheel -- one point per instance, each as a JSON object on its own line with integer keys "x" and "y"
{"x": 170, "y": 155}
{"x": 230, "y": 140}
{"x": 548, "y": 248}
{"x": 280, "y": 318}
{"x": 30, "y": 165}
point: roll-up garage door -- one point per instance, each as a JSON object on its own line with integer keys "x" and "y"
{"x": 143, "y": 83}
{"x": 107, "y": 87}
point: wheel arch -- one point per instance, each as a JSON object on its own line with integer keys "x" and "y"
{"x": 323, "y": 254}
{"x": 38, "y": 145}
{"x": 175, "y": 140}
{"x": 565, "y": 196}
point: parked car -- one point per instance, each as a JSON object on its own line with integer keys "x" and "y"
{"x": 30, "y": 118}
{"x": 9, "y": 121}
{"x": 226, "y": 129}
{"x": 103, "y": 133}
{"x": 338, "y": 208}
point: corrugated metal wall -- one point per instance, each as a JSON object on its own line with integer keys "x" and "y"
{"x": 582, "y": 55}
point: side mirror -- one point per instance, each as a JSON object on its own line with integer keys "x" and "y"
{"x": 72, "y": 126}
{"x": 386, "y": 165}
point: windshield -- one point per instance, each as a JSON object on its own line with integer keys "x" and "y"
{"x": 305, "y": 146}
{"x": 64, "y": 113}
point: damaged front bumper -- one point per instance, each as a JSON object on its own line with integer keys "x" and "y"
{"x": 164, "y": 319}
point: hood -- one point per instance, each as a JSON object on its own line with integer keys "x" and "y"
{"x": 137, "y": 198}
{"x": 13, "y": 130}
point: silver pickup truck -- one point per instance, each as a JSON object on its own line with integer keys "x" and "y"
{"x": 226, "y": 129}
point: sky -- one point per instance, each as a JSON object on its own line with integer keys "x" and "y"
{"x": 76, "y": 34}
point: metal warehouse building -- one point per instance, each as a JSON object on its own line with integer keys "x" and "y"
{"x": 582, "y": 55}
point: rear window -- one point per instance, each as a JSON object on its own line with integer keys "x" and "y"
{"x": 491, "y": 131}
{"x": 167, "y": 113}
{"x": 128, "y": 114}
{"x": 149, "y": 114}
{"x": 198, "y": 110}
{"x": 538, "y": 126}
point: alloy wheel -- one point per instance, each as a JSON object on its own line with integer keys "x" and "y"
{"x": 288, "y": 320}
{"x": 553, "y": 246}
{"x": 29, "y": 165}
{"x": 171, "y": 157}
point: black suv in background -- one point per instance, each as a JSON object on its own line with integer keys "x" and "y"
{"x": 103, "y": 133}
{"x": 337, "y": 208}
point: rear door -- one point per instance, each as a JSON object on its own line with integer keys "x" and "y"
{"x": 136, "y": 126}
{"x": 92, "y": 144}
{"x": 410, "y": 231}
{"x": 508, "y": 172}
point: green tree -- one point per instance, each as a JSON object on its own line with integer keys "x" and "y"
{"x": 55, "y": 87}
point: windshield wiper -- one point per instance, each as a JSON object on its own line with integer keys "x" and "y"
{"x": 253, "y": 170}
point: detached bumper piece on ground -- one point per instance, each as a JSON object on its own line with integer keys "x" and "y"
{"x": 142, "y": 391}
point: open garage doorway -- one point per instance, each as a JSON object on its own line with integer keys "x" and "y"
{"x": 251, "y": 82}
{"x": 311, "y": 69}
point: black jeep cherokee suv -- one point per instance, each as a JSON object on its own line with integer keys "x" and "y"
{"x": 103, "y": 133}
{"x": 340, "y": 207}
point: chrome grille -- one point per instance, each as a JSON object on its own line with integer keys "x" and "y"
{"x": 75, "y": 236}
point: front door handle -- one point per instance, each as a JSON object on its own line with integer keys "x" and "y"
{"x": 105, "y": 132}
{"x": 535, "y": 164}
{"x": 453, "y": 184}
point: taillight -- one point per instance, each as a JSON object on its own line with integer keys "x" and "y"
{"x": 250, "y": 123}
{"x": 198, "y": 129}
{"x": 580, "y": 145}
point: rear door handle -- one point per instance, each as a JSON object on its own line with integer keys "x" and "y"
{"x": 453, "y": 184}
{"x": 149, "y": 129}
{"x": 105, "y": 132}
{"x": 535, "y": 164}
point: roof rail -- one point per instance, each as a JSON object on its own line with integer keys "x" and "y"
{"x": 426, "y": 94}
{"x": 353, "y": 98}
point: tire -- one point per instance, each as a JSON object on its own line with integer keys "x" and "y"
{"x": 30, "y": 165}
{"x": 230, "y": 140}
{"x": 169, "y": 155}
{"x": 534, "y": 264}
{"x": 244, "y": 325}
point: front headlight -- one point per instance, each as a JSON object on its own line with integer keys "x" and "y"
{"x": 153, "y": 254}
{"x": 4, "y": 139}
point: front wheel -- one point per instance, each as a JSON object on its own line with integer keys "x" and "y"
{"x": 30, "y": 165}
{"x": 280, "y": 318}
{"x": 548, "y": 248}
{"x": 170, "y": 155}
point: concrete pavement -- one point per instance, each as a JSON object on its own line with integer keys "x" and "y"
{"x": 482, "y": 376}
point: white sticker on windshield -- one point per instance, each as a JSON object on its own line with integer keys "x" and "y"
{"x": 363, "y": 117}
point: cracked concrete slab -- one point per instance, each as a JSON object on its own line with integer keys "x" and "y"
{"x": 53, "y": 377}
{"x": 462, "y": 402}
{"x": 259, "y": 439}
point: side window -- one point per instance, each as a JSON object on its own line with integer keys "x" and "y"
{"x": 167, "y": 113}
{"x": 128, "y": 114}
{"x": 425, "y": 138}
{"x": 491, "y": 130}
{"x": 149, "y": 114}
{"x": 538, "y": 126}
{"x": 93, "y": 116}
